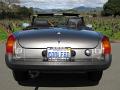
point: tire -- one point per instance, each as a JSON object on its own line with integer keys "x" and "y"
{"x": 20, "y": 75}
{"x": 95, "y": 76}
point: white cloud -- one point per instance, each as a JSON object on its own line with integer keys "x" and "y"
{"x": 62, "y": 4}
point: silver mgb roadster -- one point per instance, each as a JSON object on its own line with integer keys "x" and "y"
{"x": 44, "y": 46}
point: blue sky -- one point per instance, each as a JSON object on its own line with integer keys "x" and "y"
{"x": 62, "y": 4}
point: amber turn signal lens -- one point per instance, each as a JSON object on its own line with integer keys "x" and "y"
{"x": 106, "y": 45}
{"x": 10, "y": 44}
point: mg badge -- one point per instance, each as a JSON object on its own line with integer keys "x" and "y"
{"x": 59, "y": 39}
{"x": 58, "y": 33}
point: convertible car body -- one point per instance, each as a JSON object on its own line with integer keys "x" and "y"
{"x": 58, "y": 49}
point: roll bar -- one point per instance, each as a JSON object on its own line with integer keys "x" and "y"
{"x": 57, "y": 14}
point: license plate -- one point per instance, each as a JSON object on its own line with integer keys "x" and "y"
{"x": 58, "y": 53}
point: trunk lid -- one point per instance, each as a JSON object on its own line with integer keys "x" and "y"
{"x": 58, "y": 37}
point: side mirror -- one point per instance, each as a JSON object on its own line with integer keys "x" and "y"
{"x": 24, "y": 25}
{"x": 89, "y": 25}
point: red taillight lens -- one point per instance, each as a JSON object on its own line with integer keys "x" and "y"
{"x": 10, "y": 44}
{"x": 106, "y": 45}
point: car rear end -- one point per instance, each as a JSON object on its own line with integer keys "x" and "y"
{"x": 62, "y": 53}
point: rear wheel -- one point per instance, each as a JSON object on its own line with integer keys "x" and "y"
{"x": 95, "y": 76}
{"x": 20, "y": 75}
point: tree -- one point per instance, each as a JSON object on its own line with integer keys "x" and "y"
{"x": 10, "y": 1}
{"x": 14, "y": 11}
{"x": 112, "y": 7}
{"x": 25, "y": 12}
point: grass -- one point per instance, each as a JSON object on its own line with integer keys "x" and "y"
{"x": 108, "y": 26}
{"x": 15, "y": 26}
{"x": 3, "y": 35}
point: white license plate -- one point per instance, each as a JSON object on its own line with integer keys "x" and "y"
{"x": 58, "y": 53}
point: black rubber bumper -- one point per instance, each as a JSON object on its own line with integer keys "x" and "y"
{"x": 74, "y": 66}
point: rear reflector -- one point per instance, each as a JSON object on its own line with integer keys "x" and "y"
{"x": 10, "y": 44}
{"x": 106, "y": 45}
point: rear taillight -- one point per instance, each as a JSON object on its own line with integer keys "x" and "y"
{"x": 106, "y": 47}
{"x": 10, "y": 44}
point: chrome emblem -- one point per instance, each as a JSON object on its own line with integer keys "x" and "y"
{"x": 58, "y": 33}
{"x": 59, "y": 39}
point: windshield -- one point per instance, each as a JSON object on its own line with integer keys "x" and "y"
{"x": 67, "y": 20}
{"x": 52, "y": 20}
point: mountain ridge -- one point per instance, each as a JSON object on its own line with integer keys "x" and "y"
{"x": 76, "y": 9}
